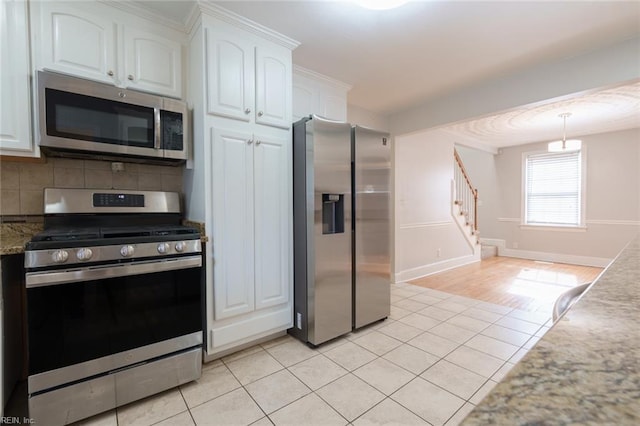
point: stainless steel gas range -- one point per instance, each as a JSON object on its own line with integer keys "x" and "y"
{"x": 114, "y": 302}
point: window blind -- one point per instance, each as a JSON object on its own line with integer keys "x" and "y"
{"x": 553, "y": 189}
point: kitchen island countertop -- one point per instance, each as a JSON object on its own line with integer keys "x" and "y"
{"x": 586, "y": 368}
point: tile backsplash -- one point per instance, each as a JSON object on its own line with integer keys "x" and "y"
{"x": 21, "y": 184}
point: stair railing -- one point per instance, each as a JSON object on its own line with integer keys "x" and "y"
{"x": 466, "y": 195}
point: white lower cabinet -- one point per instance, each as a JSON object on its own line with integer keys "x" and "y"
{"x": 251, "y": 207}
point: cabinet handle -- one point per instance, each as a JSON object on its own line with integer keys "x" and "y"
{"x": 110, "y": 73}
{"x": 130, "y": 77}
{"x": 247, "y": 111}
{"x": 260, "y": 113}
{"x": 258, "y": 142}
{"x": 250, "y": 141}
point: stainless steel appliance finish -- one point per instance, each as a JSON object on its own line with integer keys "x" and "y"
{"x": 86, "y": 119}
{"x": 114, "y": 302}
{"x": 322, "y": 229}
{"x": 372, "y": 207}
{"x": 86, "y": 398}
{"x": 63, "y": 201}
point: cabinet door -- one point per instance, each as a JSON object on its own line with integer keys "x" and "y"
{"x": 272, "y": 220}
{"x": 273, "y": 87}
{"x": 77, "y": 42}
{"x": 230, "y": 74}
{"x": 303, "y": 101}
{"x": 152, "y": 63}
{"x": 15, "y": 111}
{"x": 233, "y": 241}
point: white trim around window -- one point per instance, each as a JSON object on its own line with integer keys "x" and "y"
{"x": 536, "y": 193}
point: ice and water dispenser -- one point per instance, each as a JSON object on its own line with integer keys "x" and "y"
{"x": 332, "y": 213}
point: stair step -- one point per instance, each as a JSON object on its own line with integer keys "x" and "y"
{"x": 487, "y": 251}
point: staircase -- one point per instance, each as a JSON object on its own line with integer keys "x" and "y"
{"x": 465, "y": 203}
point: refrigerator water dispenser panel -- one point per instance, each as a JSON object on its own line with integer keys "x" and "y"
{"x": 332, "y": 213}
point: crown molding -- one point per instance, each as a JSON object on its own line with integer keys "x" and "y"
{"x": 138, "y": 10}
{"x": 213, "y": 10}
{"x": 304, "y": 72}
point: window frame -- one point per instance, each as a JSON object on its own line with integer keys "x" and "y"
{"x": 582, "y": 225}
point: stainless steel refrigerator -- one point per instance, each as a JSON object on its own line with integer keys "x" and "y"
{"x": 371, "y": 152}
{"x": 341, "y": 266}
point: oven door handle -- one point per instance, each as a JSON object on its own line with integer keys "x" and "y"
{"x": 48, "y": 278}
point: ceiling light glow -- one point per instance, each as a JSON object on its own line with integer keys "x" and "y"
{"x": 380, "y": 4}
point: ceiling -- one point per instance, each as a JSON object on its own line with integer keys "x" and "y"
{"x": 402, "y": 57}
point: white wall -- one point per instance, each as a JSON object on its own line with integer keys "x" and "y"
{"x": 481, "y": 167}
{"x": 427, "y": 240}
{"x": 612, "y": 201}
{"x": 366, "y": 118}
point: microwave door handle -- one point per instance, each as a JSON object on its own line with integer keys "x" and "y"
{"x": 157, "y": 134}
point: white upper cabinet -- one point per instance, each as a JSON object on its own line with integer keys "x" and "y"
{"x": 15, "y": 105}
{"x": 78, "y": 42}
{"x": 230, "y": 80}
{"x": 247, "y": 81}
{"x": 90, "y": 40}
{"x": 273, "y": 86}
{"x": 315, "y": 93}
{"x": 152, "y": 63}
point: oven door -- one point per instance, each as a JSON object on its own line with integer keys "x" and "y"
{"x": 86, "y": 322}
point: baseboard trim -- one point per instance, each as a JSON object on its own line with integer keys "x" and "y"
{"x": 434, "y": 268}
{"x": 571, "y": 259}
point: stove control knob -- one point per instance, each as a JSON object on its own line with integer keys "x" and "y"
{"x": 60, "y": 256}
{"x": 127, "y": 251}
{"x": 84, "y": 254}
{"x": 180, "y": 246}
{"x": 163, "y": 248}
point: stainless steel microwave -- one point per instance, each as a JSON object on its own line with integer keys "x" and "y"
{"x": 82, "y": 118}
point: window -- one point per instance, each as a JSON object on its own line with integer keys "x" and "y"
{"x": 553, "y": 189}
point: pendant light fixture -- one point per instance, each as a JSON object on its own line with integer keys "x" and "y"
{"x": 565, "y": 145}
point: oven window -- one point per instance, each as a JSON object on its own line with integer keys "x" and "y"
{"x": 73, "y": 323}
{"x": 74, "y": 116}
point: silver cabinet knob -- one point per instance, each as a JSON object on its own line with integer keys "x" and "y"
{"x": 247, "y": 111}
{"x": 127, "y": 251}
{"x": 84, "y": 254}
{"x": 260, "y": 113}
{"x": 60, "y": 256}
{"x": 130, "y": 77}
{"x": 250, "y": 141}
{"x": 180, "y": 246}
{"x": 163, "y": 248}
{"x": 110, "y": 73}
{"x": 258, "y": 142}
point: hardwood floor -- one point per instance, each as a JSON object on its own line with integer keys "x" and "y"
{"x": 518, "y": 283}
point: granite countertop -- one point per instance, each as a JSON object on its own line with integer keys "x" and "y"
{"x": 13, "y": 236}
{"x": 199, "y": 226}
{"x": 586, "y": 368}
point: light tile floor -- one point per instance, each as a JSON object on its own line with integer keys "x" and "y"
{"x": 430, "y": 362}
